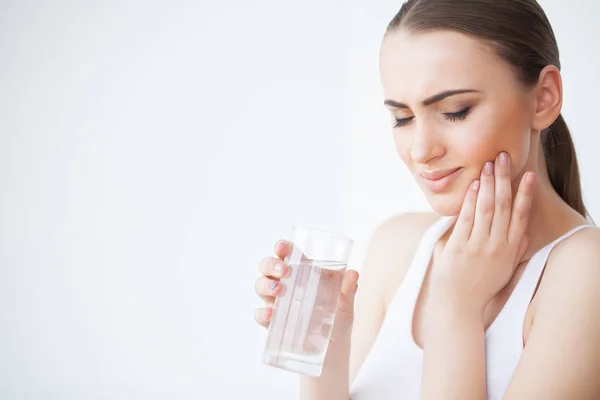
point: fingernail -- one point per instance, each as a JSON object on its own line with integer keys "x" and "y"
{"x": 530, "y": 178}
{"x": 273, "y": 285}
{"x": 475, "y": 185}
{"x": 278, "y": 267}
{"x": 503, "y": 159}
{"x": 488, "y": 168}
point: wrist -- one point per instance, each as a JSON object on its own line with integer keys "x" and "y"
{"x": 447, "y": 324}
{"x": 459, "y": 301}
{"x": 333, "y": 383}
{"x": 338, "y": 351}
{"x": 445, "y": 312}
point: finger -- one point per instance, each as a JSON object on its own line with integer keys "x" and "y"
{"x": 464, "y": 223}
{"x": 269, "y": 300}
{"x": 282, "y": 249}
{"x": 484, "y": 210}
{"x": 503, "y": 198}
{"x": 263, "y": 316}
{"x": 521, "y": 207}
{"x": 350, "y": 280}
{"x": 268, "y": 289}
{"x": 272, "y": 267}
{"x": 285, "y": 249}
{"x": 348, "y": 292}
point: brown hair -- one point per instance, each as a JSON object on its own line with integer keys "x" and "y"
{"x": 521, "y": 35}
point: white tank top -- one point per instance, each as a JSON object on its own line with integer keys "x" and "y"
{"x": 392, "y": 369}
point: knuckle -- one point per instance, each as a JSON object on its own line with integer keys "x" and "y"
{"x": 468, "y": 218}
{"x": 258, "y": 285}
{"x": 257, "y": 316}
{"x": 263, "y": 264}
{"x": 473, "y": 249}
{"x": 262, "y": 285}
{"x": 488, "y": 179}
{"x": 267, "y": 264}
{"x": 267, "y": 285}
{"x": 503, "y": 204}
{"x": 503, "y": 172}
{"x": 521, "y": 214}
{"x": 455, "y": 246}
{"x": 487, "y": 208}
{"x": 493, "y": 248}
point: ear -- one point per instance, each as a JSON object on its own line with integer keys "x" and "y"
{"x": 548, "y": 98}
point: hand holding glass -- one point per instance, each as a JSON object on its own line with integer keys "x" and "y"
{"x": 305, "y": 309}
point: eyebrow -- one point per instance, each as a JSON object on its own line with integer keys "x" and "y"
{"x": 433, "y": 99}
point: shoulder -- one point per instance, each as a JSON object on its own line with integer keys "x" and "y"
{"x": 561, "y": 358}
{"x": 576, "y": 255}
{"x": 389, "y": 250}
{"x": 397, "y": 234}
{"x": 404, "y": 226}
{"x": 392, "y": 246}
{"x": 572, "y": 274}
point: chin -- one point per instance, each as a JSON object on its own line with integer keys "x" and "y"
{"x": 446, "y": 204}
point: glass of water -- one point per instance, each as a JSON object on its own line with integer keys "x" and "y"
{"x": 304, "y": 312}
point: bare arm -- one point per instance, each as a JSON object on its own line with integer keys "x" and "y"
{"x": 561, "y": 359}
{"x": 454, "y": 356}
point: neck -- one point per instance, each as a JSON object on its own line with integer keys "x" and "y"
{"x": 550, "y": 216}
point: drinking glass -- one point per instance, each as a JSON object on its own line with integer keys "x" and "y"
{"x": 304, "y": 312}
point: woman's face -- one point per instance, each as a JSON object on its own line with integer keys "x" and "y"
{"x": 455, "y": 105}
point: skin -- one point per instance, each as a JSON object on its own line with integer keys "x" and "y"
{"x": 500, "y": 225}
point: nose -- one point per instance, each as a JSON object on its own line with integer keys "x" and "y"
{"x": 426, "y": 145}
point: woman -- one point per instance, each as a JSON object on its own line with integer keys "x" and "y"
{"x": 496, "y": 294}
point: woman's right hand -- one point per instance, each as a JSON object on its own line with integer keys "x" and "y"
{"x": 268, "y": 286}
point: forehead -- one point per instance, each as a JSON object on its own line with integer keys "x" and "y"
{"x": 422, "y": 64}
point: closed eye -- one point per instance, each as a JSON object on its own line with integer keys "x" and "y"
{"x": 455, "y": 116}
{"x": 459, "y": 115}
{"x": 400, "y": 122}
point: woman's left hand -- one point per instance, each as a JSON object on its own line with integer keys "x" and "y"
{"x": 488, "y": 240}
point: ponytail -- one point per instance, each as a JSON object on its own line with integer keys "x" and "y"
{"x": 561, "y": 162}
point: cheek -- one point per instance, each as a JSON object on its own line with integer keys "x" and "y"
{"x": 507, "y": 131}
{"x": 474, "y": 152}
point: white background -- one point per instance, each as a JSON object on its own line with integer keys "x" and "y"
{"x": 151, "y": 153}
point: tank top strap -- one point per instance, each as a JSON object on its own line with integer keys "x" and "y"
{"x": 525, "y": 288}
{"x": 411, "y": 285}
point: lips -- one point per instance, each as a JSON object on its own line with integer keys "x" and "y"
{"x": 437, "y": 174}
{"x": 439, "y": 180}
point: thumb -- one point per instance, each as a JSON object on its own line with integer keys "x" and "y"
{"x": 348, "y": 291}
{"x": 344, "y": 316}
